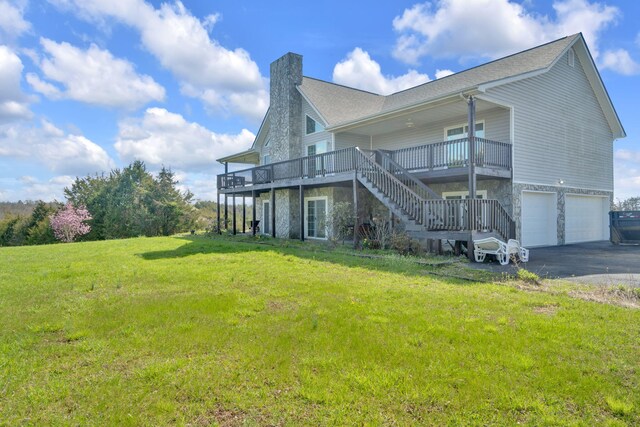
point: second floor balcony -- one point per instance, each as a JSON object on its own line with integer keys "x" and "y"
{"x": 442, "y": 161}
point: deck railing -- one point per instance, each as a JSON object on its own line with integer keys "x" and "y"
{"x": 440, "y": 155}
{"x": 449, "y": 154}
{"x": 318, "y": 165}
{"x": 465, "y": 214}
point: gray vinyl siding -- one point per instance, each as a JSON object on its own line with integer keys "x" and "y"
{"x": 263, "y": 150}
{"x": 496, "y": 128}
{"x": 313, "y": 138}
{"x": 561, "y": 133}
{"x": 346, "y": 140}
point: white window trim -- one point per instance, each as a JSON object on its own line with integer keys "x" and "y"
{"x": 462, "y": 125}
{"x": 446, "y": 194}
{"x": 263, "y": 228}
{"x": 306, "y": 217}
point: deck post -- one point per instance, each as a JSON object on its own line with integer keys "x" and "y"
{"x": 226, "y": 212}
{"x": 273, "y": 212}
{"x": 355, "y": 210}
{"x": 226, "y": 201}
{"x": 233, "y": 223}
{"x": 472, "y": 147}
{"x": 253, "y": 212}
{"x": 218, "y": 211}
{"x": 244, "y": 215}
{"x": 301, "y": 194}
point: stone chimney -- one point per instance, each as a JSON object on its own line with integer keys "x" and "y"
{"x": 286, "y": 108}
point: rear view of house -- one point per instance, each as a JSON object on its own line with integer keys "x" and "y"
{"x": 519, "y": 147}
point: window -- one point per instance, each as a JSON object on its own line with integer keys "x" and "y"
{"x": 462, "y": 131}
{"x": 457, "y": 152}
{"x": 318, "y": 148}
{"x": 266, "y": 159}
{"x": 571, "y": 56}
{"x": 451, "y": 195}
{"x": 267, "y": 142}
{"x": 266, "y": 217}
{"x": 316, "y": 217}
{"x": 313, "y": 126}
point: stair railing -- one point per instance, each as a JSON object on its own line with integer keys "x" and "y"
{"x": 389, "y": 185}
{"x": 406, "y": 177}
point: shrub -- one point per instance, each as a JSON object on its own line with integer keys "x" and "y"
{"x": 405, "y": 245}
{"x": 341, "y": 221}
{"x": 68, "y": 223}
{"x": 528, "y": 276}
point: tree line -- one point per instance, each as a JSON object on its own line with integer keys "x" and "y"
{"x": 124, "y": 203}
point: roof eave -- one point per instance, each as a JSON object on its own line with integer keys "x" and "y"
{"x": 249, "y": 157}
{"x": 474, "y": 90}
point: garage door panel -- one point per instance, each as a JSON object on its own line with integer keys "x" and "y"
{"x": 539, "y": 219}
{"x": 586, "y": 218}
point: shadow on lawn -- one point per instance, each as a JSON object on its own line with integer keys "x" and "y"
{"x": 319, "y": 252}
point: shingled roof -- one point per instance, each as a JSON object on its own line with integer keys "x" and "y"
{"x": 340, "y": 104}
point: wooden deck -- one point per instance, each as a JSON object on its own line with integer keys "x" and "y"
{"x": 394, "y": 178}
{"x": 439, "y": 162}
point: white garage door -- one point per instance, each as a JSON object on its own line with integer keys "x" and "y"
{"x": 586, "y": 218}
{"x": 539, "y": 219}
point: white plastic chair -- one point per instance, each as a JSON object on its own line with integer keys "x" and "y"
{"x": 514, "y": 248}
{"x": 491, "y": 246}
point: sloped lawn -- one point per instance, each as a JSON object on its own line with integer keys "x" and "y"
{"x": 197, "y": 331}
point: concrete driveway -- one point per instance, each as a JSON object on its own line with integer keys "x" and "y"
{"x": 597, "y": 262}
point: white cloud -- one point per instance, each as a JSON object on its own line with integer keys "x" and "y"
{"x": 12, "y": 23}
{"x": 360, "y": 71}
{"x": 13, "y": 103}
{"x": 225, "y": 80}
{"x": 443, "y": 73}
{"x": 31, "y": 188}
{"x": 493, "y": 28}
{"x": 164, "y": 138}
{"x": 627, "y": 173}
{"x": 62, "y": 153}
{"x": 620, "y": 61}
{"x": 628, "y": 155}
{"x": 93, "y": 76}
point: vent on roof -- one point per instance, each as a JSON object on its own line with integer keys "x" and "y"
{"x": 572, "y": 57}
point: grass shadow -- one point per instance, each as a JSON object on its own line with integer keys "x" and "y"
{"x": 445, "y": 268}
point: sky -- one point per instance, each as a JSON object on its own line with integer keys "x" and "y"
{"x": 87, "y": 86}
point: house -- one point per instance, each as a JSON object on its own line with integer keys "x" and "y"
{"x": 529, "y": 137}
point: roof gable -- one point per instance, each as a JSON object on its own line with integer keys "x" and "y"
{"x": 342, "y": 106}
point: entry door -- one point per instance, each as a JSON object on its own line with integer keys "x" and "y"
{"x": 539, "y": 219}
{"x": 316, "y": 215}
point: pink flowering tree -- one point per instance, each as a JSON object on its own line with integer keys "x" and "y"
{"x": 68, "y": 223}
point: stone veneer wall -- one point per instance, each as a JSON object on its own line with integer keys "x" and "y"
{"x": 285, "y": 105}
{"x": 561, "y": 193}
{"x": 285, "y": 135}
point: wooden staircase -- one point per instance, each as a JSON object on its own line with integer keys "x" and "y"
{"x": 425, "y": 214}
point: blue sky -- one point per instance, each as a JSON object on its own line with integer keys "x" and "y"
{"x": 90, "y": 85}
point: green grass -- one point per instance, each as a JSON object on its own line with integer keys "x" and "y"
{"x": 197, "y": 331}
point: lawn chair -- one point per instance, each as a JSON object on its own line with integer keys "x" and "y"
{"x": 491, "y": 246}
{"x": 514, "y": 249}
